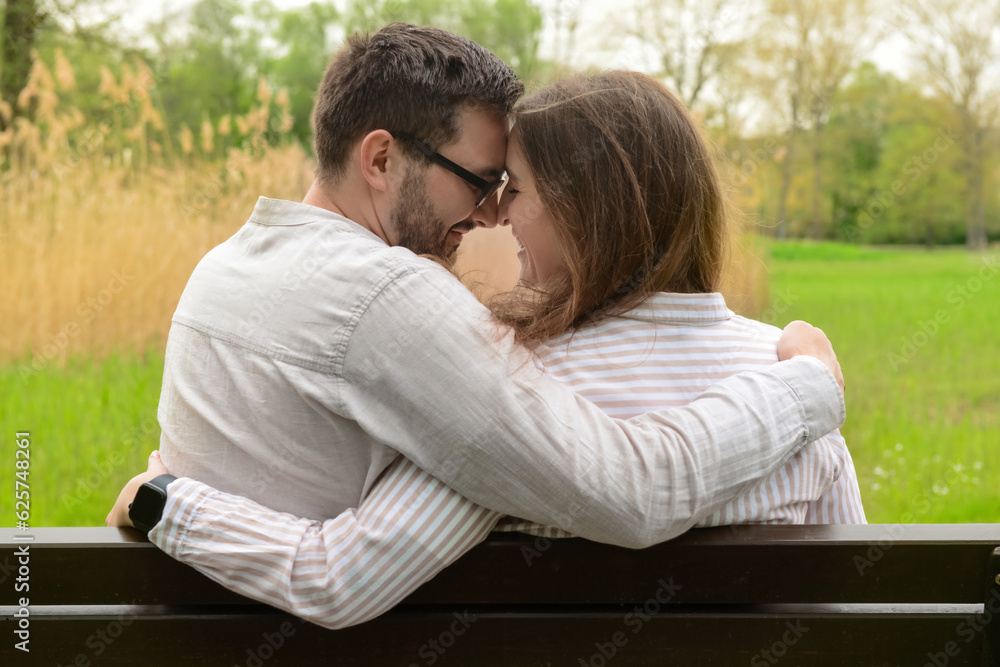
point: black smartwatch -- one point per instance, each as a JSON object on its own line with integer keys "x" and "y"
{"x": 146, "y": 508}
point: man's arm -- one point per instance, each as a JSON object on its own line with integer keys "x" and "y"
{"x": 842, "y": 502}
{"x": 426, "y": 371}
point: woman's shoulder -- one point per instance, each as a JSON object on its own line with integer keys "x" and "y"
{"x": 756, "y": 328}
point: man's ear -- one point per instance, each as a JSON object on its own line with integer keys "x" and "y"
{"x": 381, "y": 160}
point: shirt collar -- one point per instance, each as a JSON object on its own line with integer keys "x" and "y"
{"x": 672, "y": 307}
{"x": 281, "y": 212}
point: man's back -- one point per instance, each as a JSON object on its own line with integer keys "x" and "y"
{"x": 250, "y": 401}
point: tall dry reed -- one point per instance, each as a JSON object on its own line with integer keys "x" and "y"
{"x": 102, "y": 222}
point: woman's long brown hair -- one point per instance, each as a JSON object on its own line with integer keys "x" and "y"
{"x": 635, "y": 198}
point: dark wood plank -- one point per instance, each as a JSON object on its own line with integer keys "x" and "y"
{"x": 991, "y": 611}
{"x": 474, "y": 637}
{"x": 913, "y": 563}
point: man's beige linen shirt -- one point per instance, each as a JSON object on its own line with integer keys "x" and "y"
{"x": 305, "y": 354}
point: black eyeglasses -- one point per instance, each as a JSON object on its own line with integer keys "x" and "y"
{"x": 486, "y": 188}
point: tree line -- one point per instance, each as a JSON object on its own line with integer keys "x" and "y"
{"x": 817, "y": 140}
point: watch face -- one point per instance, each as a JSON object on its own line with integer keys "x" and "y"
{"x": 147, "y": 507}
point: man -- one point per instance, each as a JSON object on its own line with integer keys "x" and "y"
{"x": 317, "y": 345}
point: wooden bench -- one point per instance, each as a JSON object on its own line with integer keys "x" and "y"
{"x": 754, "y": 595}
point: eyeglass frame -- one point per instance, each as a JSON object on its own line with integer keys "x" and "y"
{"x": 487, "y": 188}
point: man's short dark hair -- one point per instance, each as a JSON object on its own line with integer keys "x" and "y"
{"x": 405, "y": 78}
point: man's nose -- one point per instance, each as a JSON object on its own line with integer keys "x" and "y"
{"x": 486, "y": 215}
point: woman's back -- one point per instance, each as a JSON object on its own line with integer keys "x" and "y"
{"x": 664, "y": 352}
{"x": 671, "y": 348}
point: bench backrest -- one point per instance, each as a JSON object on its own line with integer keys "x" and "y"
{"x": 881, "y": 594}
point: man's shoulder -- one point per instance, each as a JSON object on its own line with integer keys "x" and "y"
{"x": 312, "y": 255}
{"x": 297, "y": 288}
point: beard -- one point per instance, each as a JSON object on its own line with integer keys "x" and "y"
{"x": 417, "y": 227}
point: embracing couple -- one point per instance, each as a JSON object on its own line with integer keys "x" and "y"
{"x": 380, "y": 421}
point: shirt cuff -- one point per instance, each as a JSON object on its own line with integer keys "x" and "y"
{"x": 184, "y": 498}
{"x": 818, "y": 392}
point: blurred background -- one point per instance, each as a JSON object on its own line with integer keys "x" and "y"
{"x": 859, "y": 141}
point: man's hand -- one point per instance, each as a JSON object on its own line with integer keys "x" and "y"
{"x": 803, "y": 338}
{"x": 119, "y": 513}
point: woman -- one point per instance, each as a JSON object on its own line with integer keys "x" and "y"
{"x": 622, "y": 230}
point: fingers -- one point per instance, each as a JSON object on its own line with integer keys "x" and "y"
{"x": 155, "y": 464}
{"x": 802, "y": 338}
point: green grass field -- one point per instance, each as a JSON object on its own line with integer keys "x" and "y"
{"x": 915, "y": 332}
{"x": 916, "y": 335}
{"x": 92, "y": 426}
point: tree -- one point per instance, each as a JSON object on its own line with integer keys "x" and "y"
{"x": 509, "y": 28}
{"x": 211, "y": 70}
{"x": 304, "y": 45}
{"x": 896, "y": 168}
{"x": 693, "y": 40}
{"x": 22, "y": 20}
{"x": 840, "y": 38}
{"x": 957, "y": 47}
{"x": 789, "y": 26}
{"x": 860, "y": 114}
{"x": 808, "y": 48}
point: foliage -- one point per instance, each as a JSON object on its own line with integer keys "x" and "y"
{"x": 510, "y": 28}
{"x": 826, "y": 175}
{"x": 103, "y": 219}
{"x": 915, "y": 335}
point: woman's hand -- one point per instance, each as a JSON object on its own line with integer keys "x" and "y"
{"x": 118, "y": 516}
{"x": 803, "y": 338}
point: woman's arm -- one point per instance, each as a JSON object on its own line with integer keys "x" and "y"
{"x": 335, "y": 573}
